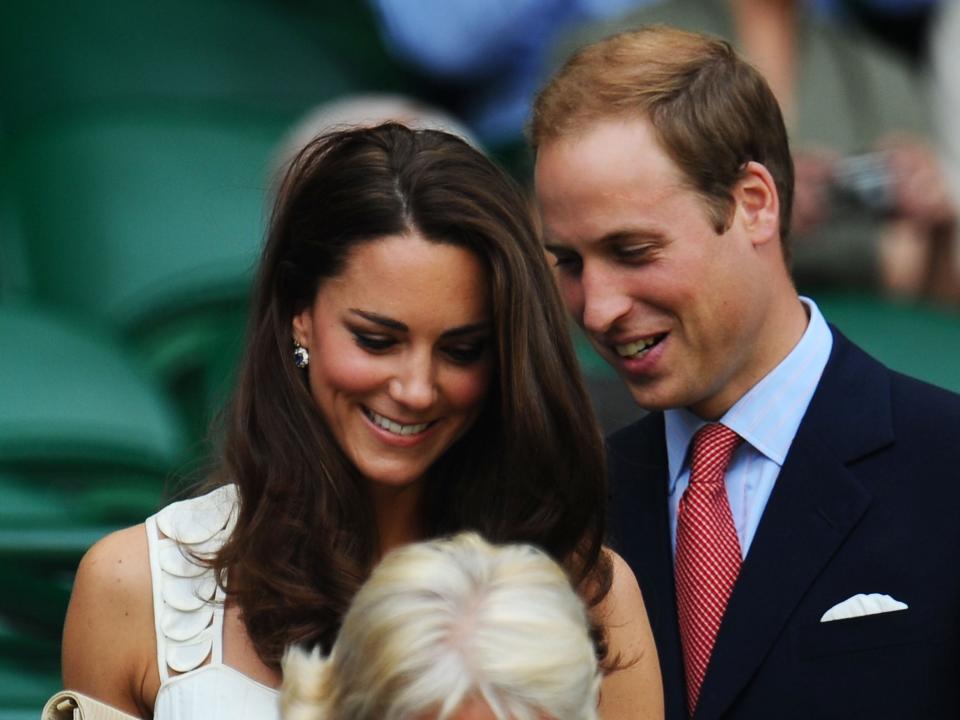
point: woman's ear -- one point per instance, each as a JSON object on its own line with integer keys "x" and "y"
{"x": 302, "y": 327}
{"x": 758, "y": 204}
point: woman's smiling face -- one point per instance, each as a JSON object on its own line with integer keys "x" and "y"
{"x": 401, "y": 353}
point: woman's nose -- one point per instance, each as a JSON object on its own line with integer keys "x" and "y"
{"x": 414, "y": 386}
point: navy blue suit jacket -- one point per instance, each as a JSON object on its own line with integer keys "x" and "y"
{"x": 867, "y": 501}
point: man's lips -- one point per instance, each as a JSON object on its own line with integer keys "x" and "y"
{"x": 638, "y": 348}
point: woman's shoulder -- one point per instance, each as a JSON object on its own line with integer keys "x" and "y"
{"x": 633, "y": 690}
{"x": 119, "y": 559}
{"x": 114, "y": 574}
{"x": 108, "y": 643}
{"x": 624, "y": 599}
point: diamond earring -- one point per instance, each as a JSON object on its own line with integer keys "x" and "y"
{"x": 301, "y": 357}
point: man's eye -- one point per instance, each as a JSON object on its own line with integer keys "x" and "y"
{"x": 635, "y": 253}
{"x": 373, "y": 342}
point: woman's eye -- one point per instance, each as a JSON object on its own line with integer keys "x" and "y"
{"x": 375, "y": 343}
{"x": 566, "y": 262}
{"x": 467, "y": 353}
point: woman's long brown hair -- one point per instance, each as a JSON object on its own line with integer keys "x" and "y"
{"x": 531, "y": 469}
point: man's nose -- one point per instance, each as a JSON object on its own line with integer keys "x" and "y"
{"x": 604, "y": 301}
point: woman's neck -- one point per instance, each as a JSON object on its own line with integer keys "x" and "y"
{"x": 398, "y": 515}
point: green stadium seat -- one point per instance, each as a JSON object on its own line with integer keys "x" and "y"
{"x": 15, "y": 281}
{"x": 24, "y": 690}
{"x": 87, "y": 441}
{"x": 254, "y": 56}
{"x": 913, "y": 338}
{"x": 133, "y": 218}
{"x": 58, "y": 521}
{"x": 72, "y": 396}
{"x": 151, "y": 223}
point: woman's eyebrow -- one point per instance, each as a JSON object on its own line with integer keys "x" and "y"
{"x": 381, "y": 320}
{"x": 392, "y": 324}
{"x": 467, "y": 329}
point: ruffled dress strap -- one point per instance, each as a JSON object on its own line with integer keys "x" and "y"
{"x": 187, "y": 601}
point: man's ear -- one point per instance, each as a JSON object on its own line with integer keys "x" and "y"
{"x": 758, "y": 204}
{"x": 302, "y": 326}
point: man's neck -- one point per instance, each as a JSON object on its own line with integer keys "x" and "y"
{"x": 783, "y": 326}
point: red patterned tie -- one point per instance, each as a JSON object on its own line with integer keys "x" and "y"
{"x": 708, "y": 552}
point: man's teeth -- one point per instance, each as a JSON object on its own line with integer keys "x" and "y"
{"x": 396, "y": 428}
{"x": 635, "y": 347}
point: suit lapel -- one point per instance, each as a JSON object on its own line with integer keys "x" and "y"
{"x": 814, "y": 506}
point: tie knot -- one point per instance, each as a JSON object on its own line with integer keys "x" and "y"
{"x": 713, "y": 446}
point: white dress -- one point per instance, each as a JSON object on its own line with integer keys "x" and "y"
{"x": 188, "y": 617}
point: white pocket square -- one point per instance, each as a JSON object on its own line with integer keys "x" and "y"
{"x": 860, "y": 605}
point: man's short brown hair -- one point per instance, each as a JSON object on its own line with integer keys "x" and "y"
{"x": 712, "y": 111}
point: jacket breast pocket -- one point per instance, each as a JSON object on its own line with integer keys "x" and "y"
{"x": 869, "y": 632}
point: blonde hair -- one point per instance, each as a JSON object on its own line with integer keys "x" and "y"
{"x": 711, "y": 110}
{"x": 444, "y": 621}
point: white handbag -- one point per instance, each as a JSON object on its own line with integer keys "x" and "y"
{"x": 69, "y": 705}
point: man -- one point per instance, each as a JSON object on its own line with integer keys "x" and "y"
{"x": 800, "y": 568}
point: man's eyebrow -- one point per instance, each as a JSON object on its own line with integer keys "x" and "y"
{"x": 629, "y": 235}
{"x": 611, "y": 238}
{"x": 392, "y": 324}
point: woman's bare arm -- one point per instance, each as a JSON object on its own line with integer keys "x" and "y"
{"x": 636, "y": 690}
{"x": 109, "y": 646}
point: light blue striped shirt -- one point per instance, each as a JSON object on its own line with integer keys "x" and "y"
{"x": 767, "y": 418}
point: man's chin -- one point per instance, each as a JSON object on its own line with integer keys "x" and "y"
{"x": 652, "y": 396}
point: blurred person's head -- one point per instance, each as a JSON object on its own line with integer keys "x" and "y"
{"x": 359, "y": 111}
{"x": 454, "y": 629}
{"x": 664, "y": 179}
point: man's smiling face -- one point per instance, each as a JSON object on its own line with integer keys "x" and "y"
{"x": 675, "y": 307}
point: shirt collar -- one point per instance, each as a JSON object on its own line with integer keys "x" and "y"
{"x": 768, "y": 415}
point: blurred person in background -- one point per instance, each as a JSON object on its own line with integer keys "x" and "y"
{"x": 453, "y": 629}
{"x": 872, "y": 209}
{"x": 407, "y": 374}
{"x": 945, "y": 58}
{"x": 900, "y": 24}
{"x": 362, "y": 110}
{"x": 486, "y": 59}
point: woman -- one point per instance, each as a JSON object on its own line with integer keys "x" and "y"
{"x": 453, "y": 629}
{"x": 408, "y": 374}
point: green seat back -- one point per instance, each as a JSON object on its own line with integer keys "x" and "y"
{"x": 153, "y": 224}
{"x": 915, "y": 339}
{"x": 134, "y": 218}
{"x": 71, "y": 395}
{"x": 266, "y": 57}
